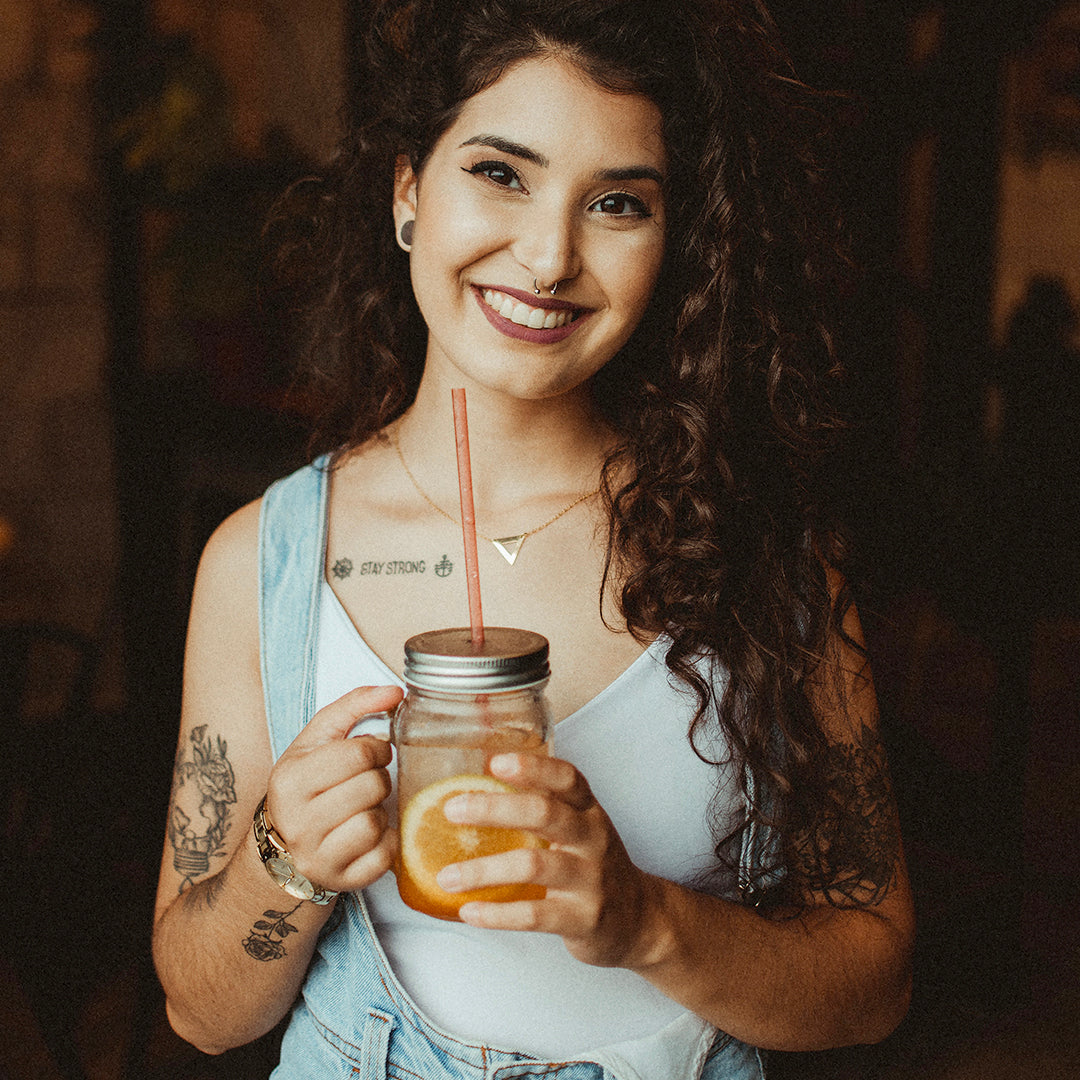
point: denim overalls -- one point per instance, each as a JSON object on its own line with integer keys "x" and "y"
{"x": 354, "y": 1020}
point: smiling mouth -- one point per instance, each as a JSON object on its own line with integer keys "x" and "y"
{"x": 516, "y": 311}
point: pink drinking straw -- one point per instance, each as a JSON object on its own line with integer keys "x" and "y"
{"x": 468, "y": 517}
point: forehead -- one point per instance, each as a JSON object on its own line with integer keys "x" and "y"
{"x": 554, "y": 107}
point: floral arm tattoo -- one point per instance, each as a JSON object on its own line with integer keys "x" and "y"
{"x": 855, "y": 849}
{"x": 265, "y": 942}
{"x": 204, "y": 789}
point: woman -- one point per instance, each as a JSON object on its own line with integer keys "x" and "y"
{"x": 603, "y": 219}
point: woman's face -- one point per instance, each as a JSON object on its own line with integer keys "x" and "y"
{"x": 543, "y": 177}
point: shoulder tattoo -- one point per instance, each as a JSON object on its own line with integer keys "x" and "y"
{"x": 203, "y": 792}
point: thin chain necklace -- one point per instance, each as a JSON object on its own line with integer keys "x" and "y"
{"x": 507, "y": 546}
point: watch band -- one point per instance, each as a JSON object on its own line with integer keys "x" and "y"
{"x": 279, "y": 863}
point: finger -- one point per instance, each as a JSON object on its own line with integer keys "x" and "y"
{"x": 536, "y": 915}
{"x": 370, "y": 866}
{"x": 361, "y": 792}
{"x": 538, "y": 771}
{"x": 353, "y": 839}
{"x": 335, "y": 762}
{"x": 354, "y": 794}
{"x": 536, "y": 812}
{"x": 552, "y": 915}
{"x": 324, "y": 768}
{"x": 565, "y": 795}
{"x": 550, "y": 867}
{"x": 333, "y": 722}
{"x": 358, "y": 847}
{"x": 310, "y": 794}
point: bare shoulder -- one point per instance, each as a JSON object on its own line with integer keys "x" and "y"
{"x": 221, "y": 667}
{"x": 223, "y": 623}
{"x": 230, "y": 558}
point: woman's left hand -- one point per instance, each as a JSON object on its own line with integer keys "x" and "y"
{"x": 597, "y": 900}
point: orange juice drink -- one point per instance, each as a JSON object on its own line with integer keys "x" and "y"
{"x": 462, "y": 708}
{"x": 429, "y": 842}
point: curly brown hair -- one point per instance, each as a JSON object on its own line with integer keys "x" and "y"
{"x": 720, "y": 533}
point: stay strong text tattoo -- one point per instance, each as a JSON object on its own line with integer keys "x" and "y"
{"x": 344, "y": 567}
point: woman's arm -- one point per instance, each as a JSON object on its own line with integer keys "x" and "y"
{"x": 826, "y": 977}
{"x": 829, "y": 976}
{"x": 230, "y": 946}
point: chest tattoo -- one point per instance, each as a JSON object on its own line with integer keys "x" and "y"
{"x": 345, "y": 567}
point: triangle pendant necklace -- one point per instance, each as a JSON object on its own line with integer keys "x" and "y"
{"x": 509, "y": 546}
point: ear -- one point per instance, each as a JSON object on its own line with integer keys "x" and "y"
{"x": 405, "y": 184}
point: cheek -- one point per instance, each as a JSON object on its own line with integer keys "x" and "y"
{"x": 636, "y": 278}
{"x": 443, "y": 247}
{"x": 452, "y": 232}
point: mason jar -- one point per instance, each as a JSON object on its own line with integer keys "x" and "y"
{"x": 464, "y": 705}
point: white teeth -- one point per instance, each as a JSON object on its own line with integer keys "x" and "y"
{"x": 522, "y": 314}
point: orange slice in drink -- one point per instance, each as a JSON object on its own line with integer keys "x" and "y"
{"x": 429, "y": 842}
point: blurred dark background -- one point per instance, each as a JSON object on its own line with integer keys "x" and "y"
{"x": 144, "y": 398}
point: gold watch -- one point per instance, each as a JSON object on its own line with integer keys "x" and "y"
{"x": 279, "y": 863}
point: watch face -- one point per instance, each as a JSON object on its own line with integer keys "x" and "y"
{"x": 280, "y": 870}
{"x": 301, "y": 888}
{"x": 283, "y": 872}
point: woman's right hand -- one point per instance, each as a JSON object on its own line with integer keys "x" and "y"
{"x": 325, "y": 794}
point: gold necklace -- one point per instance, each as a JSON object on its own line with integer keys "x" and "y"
{"x": 507, "y": 546}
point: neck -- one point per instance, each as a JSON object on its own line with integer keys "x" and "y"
{"x": 521, "y": 451}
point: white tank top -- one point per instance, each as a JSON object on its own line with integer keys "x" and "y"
{"x": 630, "y": 742}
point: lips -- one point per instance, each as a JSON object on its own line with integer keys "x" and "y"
{"x": 520, "y": 315}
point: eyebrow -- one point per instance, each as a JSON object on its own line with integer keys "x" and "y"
{"x": 614, "y": 175}
{"x": 631, "y": 172}
{"x": 505, "y": 146}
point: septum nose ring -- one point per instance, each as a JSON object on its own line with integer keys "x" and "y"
{"x": 536, "y": 287}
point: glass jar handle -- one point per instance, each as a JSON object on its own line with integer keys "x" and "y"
{"x": 378, "y": 724}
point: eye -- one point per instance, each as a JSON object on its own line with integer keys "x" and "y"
{"x": 621, "y": 204}
{"x": 497, "y": 172}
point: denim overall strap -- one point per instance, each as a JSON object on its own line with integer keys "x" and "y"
{"x": 757, "y": 853}
{"x": 292, "y": 546}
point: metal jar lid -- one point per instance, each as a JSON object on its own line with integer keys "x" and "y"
{"x": 446, "y": 660}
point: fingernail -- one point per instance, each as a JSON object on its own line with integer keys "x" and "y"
{"x": 470, "y": 913}
{"x": 449, "y": 878}
{"x": 455, "y": 809}
{"x": 503, "y": 765}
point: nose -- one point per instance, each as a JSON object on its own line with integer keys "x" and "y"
{"x": 548, "y": 246}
